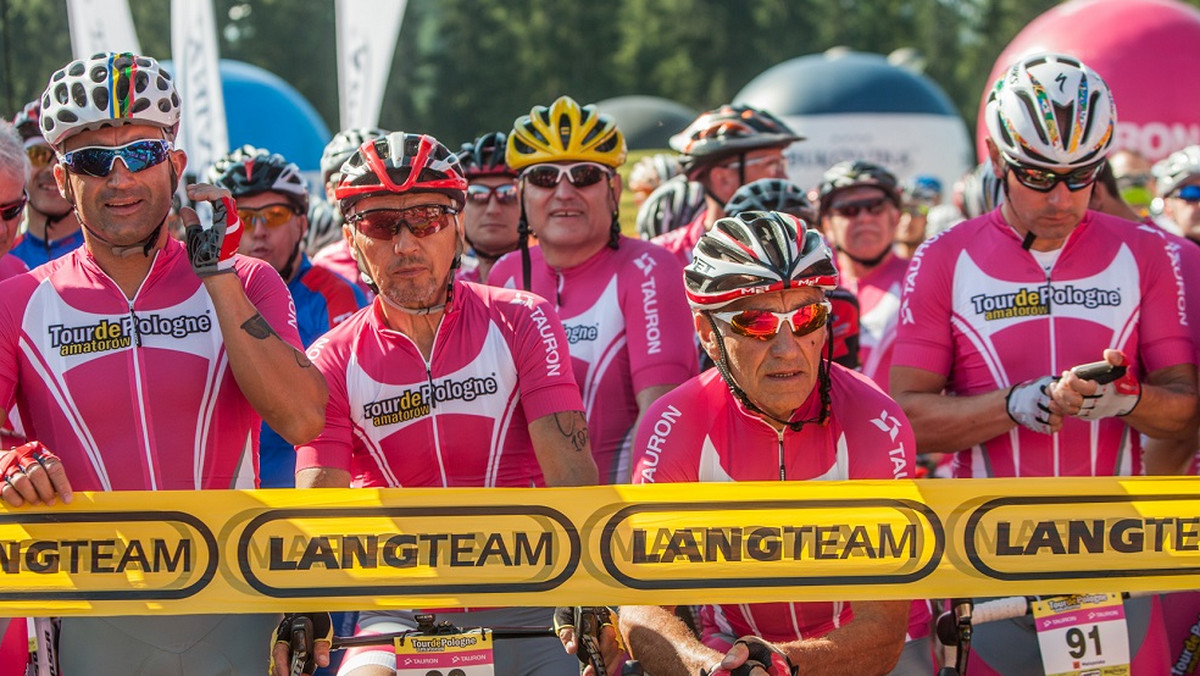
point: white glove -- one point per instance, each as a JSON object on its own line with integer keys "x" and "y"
{"x": 1112, "y": 399}
{"x": 1028, "y": 404}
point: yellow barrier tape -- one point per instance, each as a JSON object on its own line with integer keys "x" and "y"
{"x": 275, "y": 550}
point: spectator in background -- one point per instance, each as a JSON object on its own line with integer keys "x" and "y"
{"x": 919, "y": 195}
{"x": 492, "y": 213}
{"x": 1135, "y": 181}
{"x": 335, "y": 256}
{"x": 14, "y": 168}
{"x": 1178, "y": 183}
{"x": 51, "y": 226}
{"x": 651, "y": 172}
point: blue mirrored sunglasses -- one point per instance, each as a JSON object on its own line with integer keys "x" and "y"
{"x": 98, "y": 160}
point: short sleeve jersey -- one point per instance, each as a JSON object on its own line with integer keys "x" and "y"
{"x": 134, "y": 394}
{"x": 627, "y": 324}
{"x": 459, "y": 419}
{"x": 699, "y": 432}
{"x": 980, "y": 310}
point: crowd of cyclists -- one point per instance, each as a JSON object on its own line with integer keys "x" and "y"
{"x": 471, "y": 315}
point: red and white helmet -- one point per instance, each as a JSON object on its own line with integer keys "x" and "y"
{"x": 401, "y": 163}
{"x": 108, "y": 90}
{"x": 1051, "y": 111}
{"x": 756, "y": 252}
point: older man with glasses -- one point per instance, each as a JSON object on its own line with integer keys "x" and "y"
{"x": 1000, "y": 311}
{"x": 620, "y": 299}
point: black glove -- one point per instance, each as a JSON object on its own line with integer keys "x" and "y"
{"x": 300, "y": 632}
{"x": 764, "y": 658}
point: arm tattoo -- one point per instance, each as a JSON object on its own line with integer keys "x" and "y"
{"x": 573, "y": 426}
{"x": 258, "y": 328}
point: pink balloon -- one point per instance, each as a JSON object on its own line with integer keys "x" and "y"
{"x": 1148, "y": 51}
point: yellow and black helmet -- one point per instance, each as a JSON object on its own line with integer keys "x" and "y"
{"x": 565, "y": 132}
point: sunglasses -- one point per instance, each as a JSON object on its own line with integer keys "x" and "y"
{"x": 1188, "y": 193}
{"x": 775, "y": 163}
{"x": 98, "y": 160}
{"x": 271, "y": 216}
{"x": 39, "y": 155}
{"x": 580, "y": 174}
{"x": 764, "y": 324}
{"x": 422, "y": 221}
{"x": 481, "y": 194}
{"x": 13, "y": 209}
{"x": 1043, "y": 180}
{"x": 851, "y": 209}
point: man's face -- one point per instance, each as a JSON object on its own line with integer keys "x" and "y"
{"x": 43, "y": 191}
{"x": 777, "y": 374}
{"x": 1050, "y": 216}
{"x": 12, "y": 187}
{"x": 410, "y": 271}
{"x": 273, "y": 228}
{"x": 861, "y": 221}
{"x": 1183, "y": 207}
{"x": 490, "y": 217}
{"x": 724, "y": 180}
{"x": 568, "y": 216}
{"x": 123, "y": 207}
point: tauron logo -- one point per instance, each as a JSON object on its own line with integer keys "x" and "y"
{"x": 1038, "y": 301}
{"x": 108, "y": 335}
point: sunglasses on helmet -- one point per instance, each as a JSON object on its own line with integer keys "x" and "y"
{"x": 13, "y": 209}
{"x": 272, "y": 216}
{"x": 872, "y": 206}
{"x": 764, "y": 324}
{"x": 1044, "y": 180}
{"x": 481, "y": 194}
{"x": 98, "y": 160}
{"x": 422, "y": 220}
{"x": 1188, "y": 193}
{"x": 39, "y": 155}
{"x": 580, "y": 174}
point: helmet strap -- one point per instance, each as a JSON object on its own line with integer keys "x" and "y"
{"x": 614, "y": 231}
{"x": 867, "y": 262}
{"x": 823, "y": 381}
{"x": 523, "y": 243}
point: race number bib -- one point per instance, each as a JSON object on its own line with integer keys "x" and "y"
{"x": 1083, "y": 635}
{"x": 465, "y": 654}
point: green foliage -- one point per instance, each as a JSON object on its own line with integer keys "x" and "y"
{"x": 464, "y": 67}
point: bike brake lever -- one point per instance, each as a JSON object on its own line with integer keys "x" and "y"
{"x": 301, "y": 644}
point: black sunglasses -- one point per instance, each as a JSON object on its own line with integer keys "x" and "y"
{"x": 13, "y": 209}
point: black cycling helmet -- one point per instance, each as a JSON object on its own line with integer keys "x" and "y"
{"x": 672, "y": 205}
{"x": 251, "y": 171}
{"x": 845, "y": 175}
{"x": 771, "y": 194}
{"x": 726, "y": 131}
{"x": 485, "y": 156}
{"x": 342, "y": 146}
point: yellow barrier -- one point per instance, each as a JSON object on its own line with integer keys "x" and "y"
{"x": 274, "y": 550}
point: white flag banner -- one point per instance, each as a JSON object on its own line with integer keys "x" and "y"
{"x": 202, "y": 132}
{"x": 101, "y": 26}
{"x": 366, "y": 42}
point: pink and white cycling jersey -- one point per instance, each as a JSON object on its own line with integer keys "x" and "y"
{"x": 460, "y": 419}
{"x": 980, "y": 310}
{"x": 134, "y": 394}
{"x": 699, "y": 432}
{"x": 336, "y": 258}
{"x": 878, "y": 294}
{"x": 11, "y": 266}
{"x": 682, "y": 241}
{"x": 629, "y": 328}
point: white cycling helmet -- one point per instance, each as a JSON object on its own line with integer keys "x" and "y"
{"x": 108, "y": 90}
{"x": 671, "y": 206}
{"x": 1178, "y": 167}
{"x": 1051, "y": 111}
{"x": 756, "y": 252}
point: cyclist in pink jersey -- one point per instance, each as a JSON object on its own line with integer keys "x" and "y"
{"x": 141, "y": 363}
{"x": 335, "y": 256}
{"x": 14, "y": 167}
{"x": 724, "y": 149}
{"x": 620, "y": 299}
{"x": 775, "y": 408}
{"x": 860, "y": 210}
{"x": 438, "y": 382}
{"x": 51, "y": 225}
{"x": 997, "y": 306}
{"x": 492, "y": 213}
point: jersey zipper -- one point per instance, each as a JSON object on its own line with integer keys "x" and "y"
{"x": 782, "y": 466}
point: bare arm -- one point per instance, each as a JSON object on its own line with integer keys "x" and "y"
{"x": 663, "y": 643}
{"x": 276, "y": 378}
{"x": 560, "y": 441}
{"x": 1166, "y": 410}
{"x": 869, "y": 644}
{"x": 944, "y": 423}
{"x": 647, "y": 396}
{"x": 1169, "y": 456}
{"x": 322, "y": 477}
